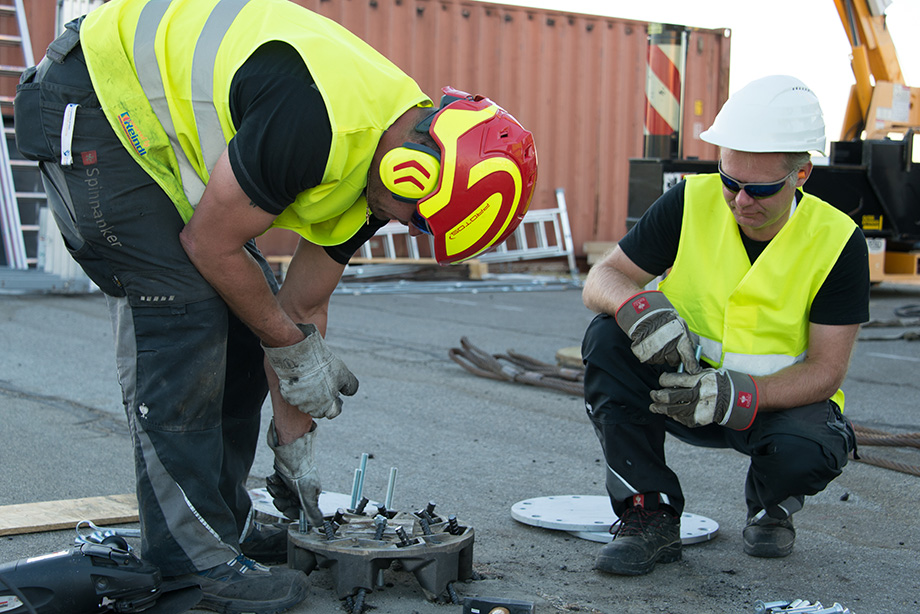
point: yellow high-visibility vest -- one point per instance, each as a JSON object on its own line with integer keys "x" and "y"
{"x": 162, "y": 71}
{"x": 752, "y": 318}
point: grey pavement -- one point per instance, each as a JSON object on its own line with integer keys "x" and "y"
{"x": 477, "y": 446}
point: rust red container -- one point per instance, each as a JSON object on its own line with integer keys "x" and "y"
{"x": 578, "y": 82}
{"x": 40, "y": 16}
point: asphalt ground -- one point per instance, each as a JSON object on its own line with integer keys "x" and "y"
{"x": 476, "y": 446}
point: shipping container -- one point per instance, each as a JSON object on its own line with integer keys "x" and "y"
{"x": 579, "y": 82}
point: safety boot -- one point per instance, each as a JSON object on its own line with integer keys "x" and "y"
{"x": 243, "y": 586}
{"x": 266, "y": 543}
{"x": 768, "y": 537}
{"x": 645, "y": 534}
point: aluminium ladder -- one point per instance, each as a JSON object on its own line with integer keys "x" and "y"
{"x": 13, "y": 239}
{"x": 37, "y": 259}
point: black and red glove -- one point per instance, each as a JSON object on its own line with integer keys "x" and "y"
{"x": 659, "y": 335}
{"x": 712, "y": 396}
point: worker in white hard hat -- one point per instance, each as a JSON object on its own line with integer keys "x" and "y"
{"x": 170, "y": 136}
{"x": 744, "y": 344}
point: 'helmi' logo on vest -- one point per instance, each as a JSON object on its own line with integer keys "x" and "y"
{"x": 138, "y": 140}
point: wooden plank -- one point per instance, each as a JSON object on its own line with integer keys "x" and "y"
{"x": 911, "y": 280}
{"x": 396, "y": 260}
{"x": 596, "y": 250}
{"x": 66, "y": 513}
{"x": 477, "y": 268}
{"x": 570, "y": 357}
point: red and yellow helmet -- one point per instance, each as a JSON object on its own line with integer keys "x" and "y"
{"x": 485, "y": 175}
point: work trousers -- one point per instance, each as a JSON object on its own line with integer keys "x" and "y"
{"x": 191, "y": 373}
{"x": 793, "y": 453}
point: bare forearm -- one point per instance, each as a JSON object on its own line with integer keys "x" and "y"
{"x": 794, "y": 386}
{"x": 606, "y": 289}
{"x": 612, "y": 281}
{"x": 214, "y": 240}
{"x": 290, "y": 422}
{"x": 240, "y": 282}
{"x": 815, "y": 379}
{"x": 311, "y": 278}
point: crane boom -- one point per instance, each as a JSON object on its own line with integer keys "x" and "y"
{"x": 875, "y": 66}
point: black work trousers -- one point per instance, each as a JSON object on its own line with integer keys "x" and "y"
{"x": 793, "y": 453}
{"x": 191, "y": 373}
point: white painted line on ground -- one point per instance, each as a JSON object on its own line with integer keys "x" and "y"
{"x": 456, "y": 301}
{"x": 894, "y": 357}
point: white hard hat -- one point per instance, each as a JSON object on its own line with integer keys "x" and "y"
{"x": 778, "y": 113}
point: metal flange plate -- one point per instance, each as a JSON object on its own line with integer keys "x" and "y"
{"x": 589, "y": 517}
{"x": 438, "y": 552}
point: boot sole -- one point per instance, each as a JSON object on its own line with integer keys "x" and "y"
{"x": 767, "y": 544}
{"x": 296, "y": 595}
{"x": 767, "y": 551}
{"x": 668, "y": 554}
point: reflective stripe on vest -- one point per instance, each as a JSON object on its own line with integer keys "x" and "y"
{"x": 751, "y": 318}
{"x": 211, "y": 143}
{"x": 755, "y": 364}
{"x": 178, "y": 129}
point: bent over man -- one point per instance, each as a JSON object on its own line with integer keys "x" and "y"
{"x": 746, "y": 341}
{"x": 170, "y": 135}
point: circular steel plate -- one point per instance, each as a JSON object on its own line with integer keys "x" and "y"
{"x": 589, "y": 517}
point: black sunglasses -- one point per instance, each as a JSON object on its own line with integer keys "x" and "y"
{"x": 754, "y": 190}
{"x": 421, "y": 223}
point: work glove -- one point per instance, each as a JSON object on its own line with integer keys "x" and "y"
{"x": 311, "y": 376}
{"x": 659, "y": 335}
{"x": 712, "y": 396}
{"x": 295, "y": 484}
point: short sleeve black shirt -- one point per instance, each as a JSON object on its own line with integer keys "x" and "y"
{"x": 283, "y": 135}
{"x": 843, "y": 298}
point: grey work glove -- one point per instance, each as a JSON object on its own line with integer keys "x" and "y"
{"x": 311, "y": 376}
{"x": 713, "y": 396}
{"x": 659, "y": 335}
{"x": 295, "y": 484}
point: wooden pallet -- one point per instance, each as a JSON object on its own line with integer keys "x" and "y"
{"x": 894, "y": 267}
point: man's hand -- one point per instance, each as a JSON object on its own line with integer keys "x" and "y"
{"x": 311, "y": 376}
{"x": 295, "y": 484}
{"x": 713, "y": 396}
{"x": 659, "y": 335}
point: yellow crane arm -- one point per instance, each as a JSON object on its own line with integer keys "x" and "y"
{"x": 874, "y": 59}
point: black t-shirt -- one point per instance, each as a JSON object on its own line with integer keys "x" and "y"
{"x": 283, "y": 135}
{"x": 843, "y": 298}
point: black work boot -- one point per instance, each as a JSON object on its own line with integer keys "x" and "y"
{"x": 768, "y": 537}
{"x": 645, "y": 534}
{"x": 242, "y": 586}
{"x": 266, "y": 543}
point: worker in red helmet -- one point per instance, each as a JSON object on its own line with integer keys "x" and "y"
{"x": 170, "y": 135}
{"x": 745, "y": 342}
